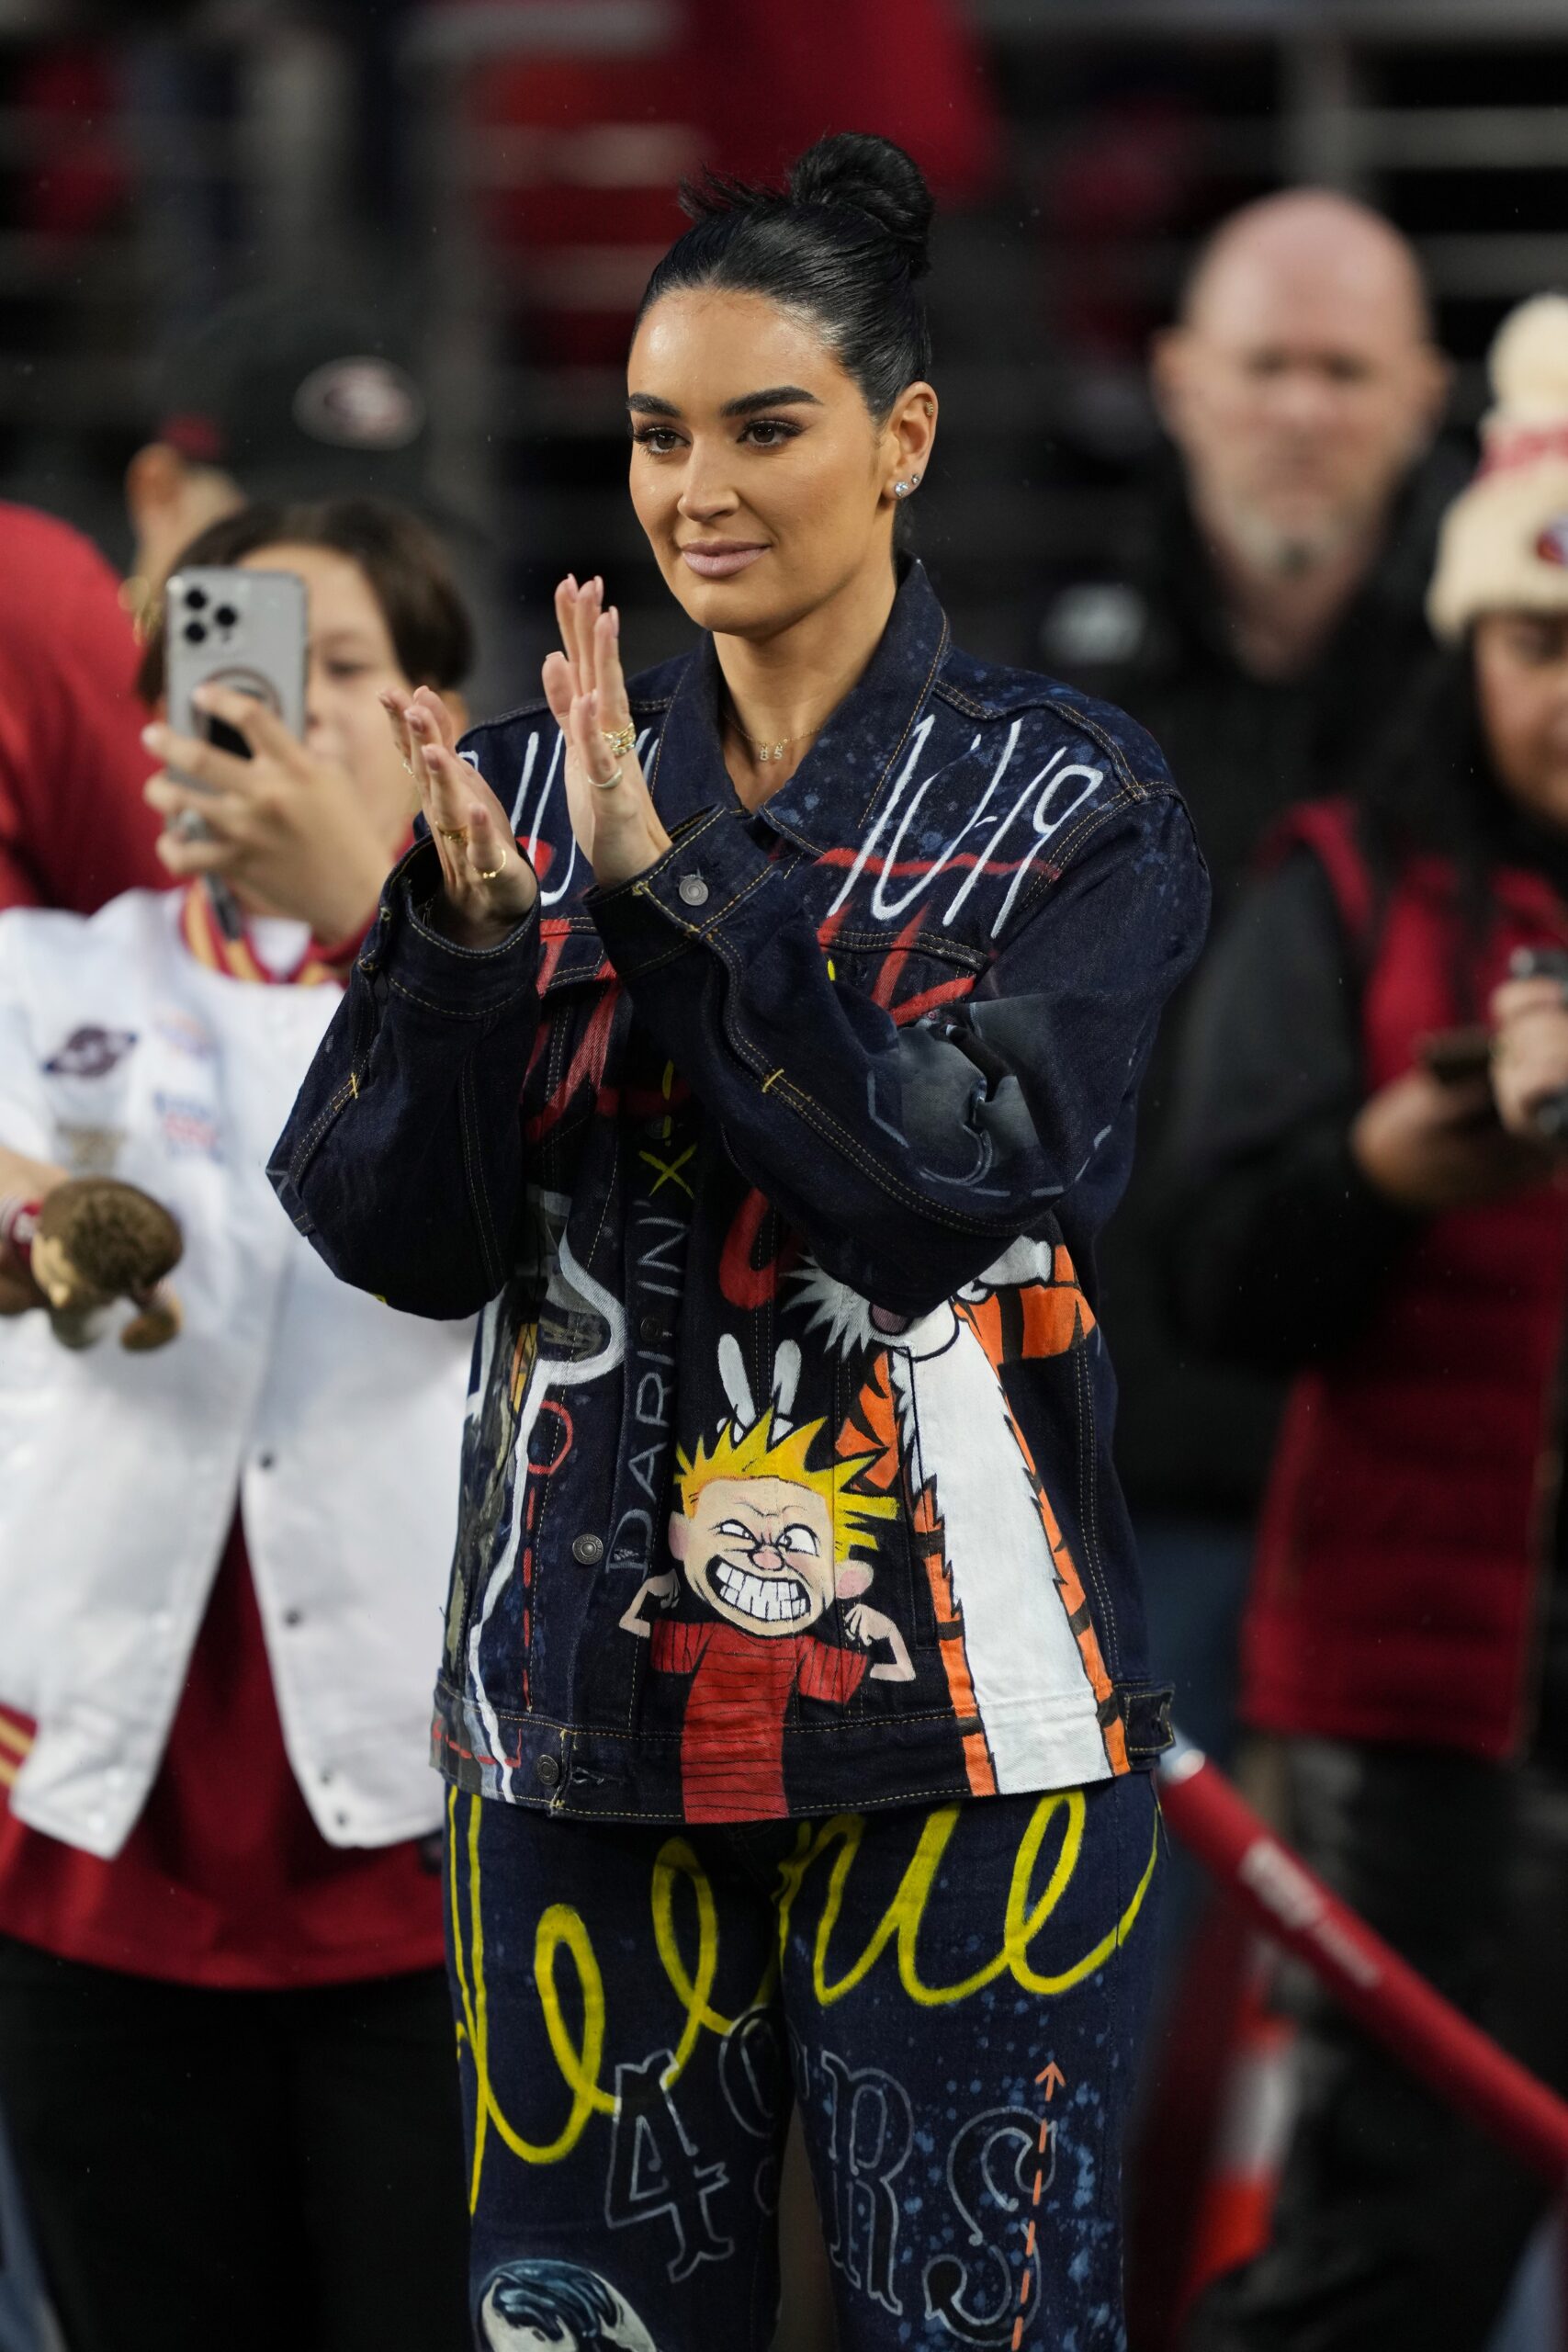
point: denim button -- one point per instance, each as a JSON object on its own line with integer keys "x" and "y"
{"x": 588, "y": 1550}
{"x": 651, "y": 1330}
{"x": 546, "y": 1771}
{"x": 694, "y": 889}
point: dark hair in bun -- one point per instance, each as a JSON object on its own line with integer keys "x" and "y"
{"x": 843, "y": 240}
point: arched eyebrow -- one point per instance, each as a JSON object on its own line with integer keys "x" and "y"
{"x": 747, "y": 404}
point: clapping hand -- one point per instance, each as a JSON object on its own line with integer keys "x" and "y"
{"x": 613, "y": 815}
{"x": 488, "y": 885}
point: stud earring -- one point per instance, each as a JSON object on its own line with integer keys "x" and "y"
{"x": 900, "y": 489}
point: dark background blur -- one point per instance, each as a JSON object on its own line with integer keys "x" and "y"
{"x": 496, "y": 177}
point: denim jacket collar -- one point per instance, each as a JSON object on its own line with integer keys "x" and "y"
{"x": 864, "y": 739}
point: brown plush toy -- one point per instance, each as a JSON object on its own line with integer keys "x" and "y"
{"x": 98, "y": 1240}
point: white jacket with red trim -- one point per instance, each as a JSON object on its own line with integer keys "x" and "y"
{"x": 336, "y": 1421}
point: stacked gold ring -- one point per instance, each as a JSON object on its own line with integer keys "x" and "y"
{"x": 621, "y": 739}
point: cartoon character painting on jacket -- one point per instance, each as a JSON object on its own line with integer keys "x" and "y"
{"x": 777, "y": 1546}
{"x": 768, "y": 1543}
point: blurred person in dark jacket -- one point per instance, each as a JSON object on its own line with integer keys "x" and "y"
{"x": 283, "y": 394}
{"x": 1342, "y": 1204}
{"x": 292, "y": 392}
{"x": 1259, "y": 635}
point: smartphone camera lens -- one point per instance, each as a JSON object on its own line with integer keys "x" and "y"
{"x": 225, "y": 616}
{"x": 195, "y": 632}
{"x": 196, "y": 600}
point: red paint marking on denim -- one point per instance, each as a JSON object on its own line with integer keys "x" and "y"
{"x": 1052, "y": 2077}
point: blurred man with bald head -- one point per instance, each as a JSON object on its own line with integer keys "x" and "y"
{"x": 1300, "y": 385}
{"x": 1300, "y": 390}
{"x": 1260, "y": 632}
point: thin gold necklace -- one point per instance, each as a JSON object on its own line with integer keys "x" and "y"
{"x": 769, "y": 751}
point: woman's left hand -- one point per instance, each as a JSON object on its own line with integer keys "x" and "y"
{"x": 613, "y": 815}
{"x": 286, "y": 827}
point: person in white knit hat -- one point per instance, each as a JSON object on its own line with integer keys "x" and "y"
{"x": 1506, "y": 543}
{"x": 1346, "y": 1206}
{"x": 1503, "y": 546}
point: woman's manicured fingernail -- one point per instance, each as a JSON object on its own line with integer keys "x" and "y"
{"x": 417, "y": 718}
{"x": 152, "y": 736}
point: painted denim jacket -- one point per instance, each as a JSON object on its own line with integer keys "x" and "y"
{"x": 787, "y": 1481}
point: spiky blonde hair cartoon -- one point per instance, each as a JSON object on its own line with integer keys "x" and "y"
{"x": 756, "y": 1452}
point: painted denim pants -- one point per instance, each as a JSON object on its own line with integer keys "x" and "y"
{"x": 954, "y": 1995}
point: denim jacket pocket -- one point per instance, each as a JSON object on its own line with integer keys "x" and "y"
{"x": 909, "y": 975}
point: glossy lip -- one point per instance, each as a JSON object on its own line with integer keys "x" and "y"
{"x": 720, "y": 559}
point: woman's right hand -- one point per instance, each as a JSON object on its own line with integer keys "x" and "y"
{"x": 1428, "y": 1146}
{"x": 488, "y": 885}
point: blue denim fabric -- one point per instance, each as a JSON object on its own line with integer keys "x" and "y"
{"x": 777, "y": 1173}
{"x": 954, "y": 1995}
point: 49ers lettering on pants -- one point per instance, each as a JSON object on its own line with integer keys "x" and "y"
{"x": 954, "y": 1995}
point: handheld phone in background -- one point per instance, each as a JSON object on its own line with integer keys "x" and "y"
{"x": 1545, "y": 963}
{"x": 1453, "y": 1056}
{"x": 245, "y": 631}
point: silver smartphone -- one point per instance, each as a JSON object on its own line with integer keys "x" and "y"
{"x": 245, "y": 631}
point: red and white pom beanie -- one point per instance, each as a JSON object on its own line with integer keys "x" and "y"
{"x": 1503, "y": 543}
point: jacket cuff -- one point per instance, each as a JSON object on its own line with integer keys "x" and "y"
{"x": 437, "y": 972}
{"x": 709, "y": 869}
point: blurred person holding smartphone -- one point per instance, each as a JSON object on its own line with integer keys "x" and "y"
{"x": 225, "y": 2046}
{"x": 289, "y": 391}
{"x": 1344, "y": 1205}
{"x": 298, "y": 390}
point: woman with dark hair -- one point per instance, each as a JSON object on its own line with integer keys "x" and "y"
{"x": 1343, "y": 1205}
{"x": 225, "y": 2052}
{"x": 757, "y": 1044}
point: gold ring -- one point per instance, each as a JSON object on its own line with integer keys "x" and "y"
{"x": 621, "y": 739}
{"x": 453, "y": 832}
{"x": 408, "y": 770}
{"x": 480, "y": 876}
{"x": 608, "y": 783}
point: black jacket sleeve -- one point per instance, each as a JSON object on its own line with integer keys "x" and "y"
{"x": 1274, "y": 1244}
{"x": 402, "y": 1159}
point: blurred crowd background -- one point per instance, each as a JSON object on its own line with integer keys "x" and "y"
{"x": 492, "y": 179}
{"x": 256, "y": 242}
